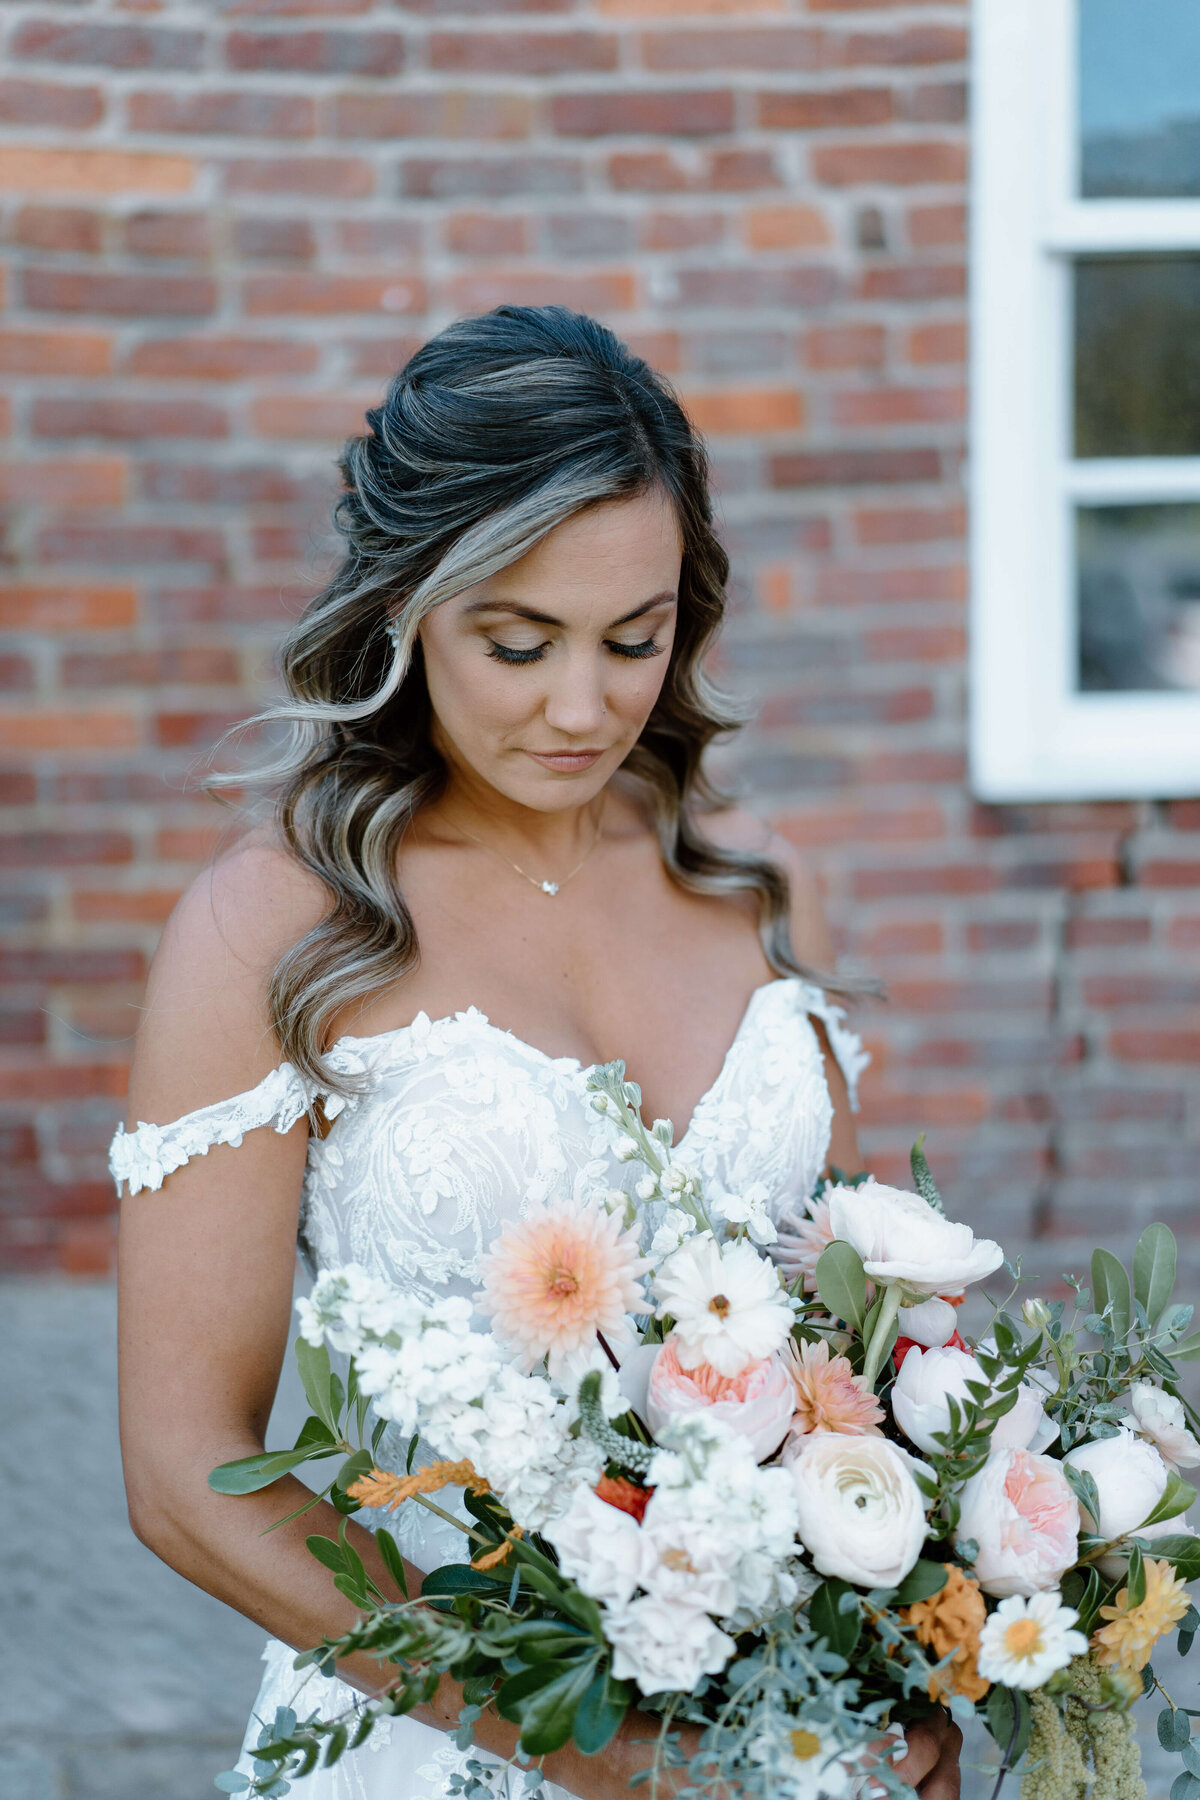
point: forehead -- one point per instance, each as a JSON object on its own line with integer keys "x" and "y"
{"x": 630, "y": 544}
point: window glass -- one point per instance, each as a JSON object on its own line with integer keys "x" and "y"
{"x": 1138, "y": 597}
{"x": 1137, "y": 355}
{"x": 1139, "y": 98}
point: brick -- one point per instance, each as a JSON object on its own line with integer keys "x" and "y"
{"x": 786, "y": 228}
{"x": 282, "y": 542}
{"x": 148, "y": 906}
{"x": 945, "y": 342}
{"x": 682, "y": 230}
{"x": 908, "y": 766}
{"x": 648, "y": 172}
{"x": 824, "y": 109}
{"x": 249, "y": 484}
{"x": 319, "y": 418}
{"x": 28, "y": 732}
{"x": 1185, "y": 814}
{"x": 191, "y": 846}
{"x": 914, "y": 281}
{"x": 63, "y": 849}
{"x": 66, "y": 1081}
{"x": 1003, "y": 934}
{"x": 167, "y": 234}
{"x": 149, "y": 668}
{"x": 225, "y": 603}
{"x": 221, "y": 358}
{"x": 937, "y": 103}
{"x": 843, "y": 706}
{"x": 237, "y": 112}
{"x": 25, "y": 169}
{"x": 374, "y": 53}
{"x": 491, "y": 177}
{"x": 50, "y": 103}
{"x": 1105, "y": 934}
{"x": 665, "y": 9}
{"x": 463, "y": 114}
{"x": 910, "y": 525}
{"x": 859, "y": 824}
{"x": 768, "y": 47}
{"x": 128, "y": 419}
{"x": 915, "y": 45}
{"x": 889, "y": 164}
{"x": 130, "y": 545}
{"x": 905, "y": 937}
{"x": 599, "y": 293}
{"x": 380, "y": 357}
{"x": 322, "y": 294}
{"x": 853, "y": 468}
{"x": 668, "y": 112}
{"x": 124, "y": 296}
{"x": 195, "y": 729}
{"x": 55, "y": 353}
{"x": 938, "y": 227}
{"x": 596, "y": 236}
{"x": 381, "y": 237}
{"x": 17, "y": 674}
{"x": 745, "y": 410}
{"x": 321, "y": 177}
{"x": 73, "y": 481}
{"x": 1066, "y": 816}
{"x": 273, "y": 239}
{"x": 486, "y": 234}
{"x": 916, "y": 643}
{"x": 43, "y": 607}
{"x": 92, "y": 44}
{"x": 845, "y": 346}
{"x": 808, "y": 284}
{"x": 522, "y": 52}
{"x": 70, "y": 228}
{"x": 1163, "y": 872}
{"x": 1155, "y": 1046}
{"x": 900, "y": 406}
{"x": 1142, "y": 990}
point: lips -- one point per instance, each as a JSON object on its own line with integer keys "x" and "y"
{"x": 566, "y": 762}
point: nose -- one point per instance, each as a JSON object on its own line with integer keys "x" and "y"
{"x": 575, "y": 702}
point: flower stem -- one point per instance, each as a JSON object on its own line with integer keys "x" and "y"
{"x": 874, "y": 1352}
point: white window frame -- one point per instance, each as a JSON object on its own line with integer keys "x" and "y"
{"x": 1033, "y": 736}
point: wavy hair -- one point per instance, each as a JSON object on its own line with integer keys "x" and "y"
{"x": 494, "y": 432}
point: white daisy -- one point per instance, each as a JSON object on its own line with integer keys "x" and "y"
{"x": 727, "y": 1304}
{"x": 1026, "y": 1641}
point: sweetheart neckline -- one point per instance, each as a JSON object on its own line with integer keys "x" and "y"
{"x": 475, "y": 1016}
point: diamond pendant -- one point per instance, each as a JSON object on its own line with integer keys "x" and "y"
{"x": 550, "y": 887}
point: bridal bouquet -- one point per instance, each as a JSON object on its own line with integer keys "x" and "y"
{"x": 759, "y": 1482}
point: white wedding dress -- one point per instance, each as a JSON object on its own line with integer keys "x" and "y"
{"x": 461, "y": 1126}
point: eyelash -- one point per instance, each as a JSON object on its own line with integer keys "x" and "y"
{"x": 515, "y": 658}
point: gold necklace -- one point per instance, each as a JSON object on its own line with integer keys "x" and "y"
{"x": 549, "y": 888}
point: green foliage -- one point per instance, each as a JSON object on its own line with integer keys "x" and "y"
{"x": 922, "y": 1179}
{"x": 839, "y": 1629}
{"x": 1009, "y": 1720}
{"x": 1112, "y": 1292}
{"x": 618, "y": 1449}
{"x": 842, "y": 1285}
{"x": 1154, "y": 1262}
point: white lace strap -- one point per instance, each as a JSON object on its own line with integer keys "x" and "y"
{"x": 145, "y": 1157}
{"x": 846, "y": 1045}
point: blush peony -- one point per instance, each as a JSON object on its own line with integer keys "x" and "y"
{"x": 1022, "y": 1514}
{"x": 756, "y": 1404}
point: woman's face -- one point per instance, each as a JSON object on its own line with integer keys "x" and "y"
{"x": 543, "y": 676}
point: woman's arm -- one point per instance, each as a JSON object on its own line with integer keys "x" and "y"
{"x": 206, "y": 1269}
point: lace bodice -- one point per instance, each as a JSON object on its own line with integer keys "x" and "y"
{"x": 460, "y": 1125}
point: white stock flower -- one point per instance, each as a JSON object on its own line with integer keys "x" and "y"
{"x": 727, "y": 1304}
{"x": 1026, "y": 1641}
{"x": 902, "y": 1239}
{"x": 749, "y": 1208}
{"x": 600, "y": 1547}
{"x": 927, "y": 1378}
{"x": 1161, "y": 1418}
{"x": 662, "y": 1645}
{"x": 861, "y": 1514}
{"x": 675, "y": 1227}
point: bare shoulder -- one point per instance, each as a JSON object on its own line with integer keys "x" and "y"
{"x": 734, "y": 829}
{"x": 205, "y": 1032}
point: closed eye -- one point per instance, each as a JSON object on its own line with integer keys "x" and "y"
{"x": 506, "y": 653}
{"x": 650, "y": 647}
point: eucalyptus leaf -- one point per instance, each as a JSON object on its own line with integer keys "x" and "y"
{"x": 1173, "y": 1729}
{"x": 1154, "y": 1270}
{"x": 842, "y": 1284}
{"x": 1113, "y": 1295}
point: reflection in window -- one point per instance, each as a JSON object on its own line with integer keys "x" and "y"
{"x": 1139, "y": 98}
{"x": 1138, "y": 597}
{"x": 1137, "y": 355}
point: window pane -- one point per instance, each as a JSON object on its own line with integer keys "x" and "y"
{"x": 1139, "y": 97}
{"x": 1139, "y": 597}
{"x": 1137, "y": 355}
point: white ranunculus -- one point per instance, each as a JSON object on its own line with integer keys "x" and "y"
{"x": 927, "y": 1378}
{"x": 1130, "y": 1477}
{"x": 861, "y": 1513}
{"x": 1161, "y": 1418}
{"x": 662, "y": 1644}
{"x": 930, "y": 1323}
{"x": 902, "y": 1239}
{"x": 727, "y": 1304}
{"x": 600, "y": 1547}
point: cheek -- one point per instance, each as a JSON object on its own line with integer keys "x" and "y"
{"x": 469, "y": 692}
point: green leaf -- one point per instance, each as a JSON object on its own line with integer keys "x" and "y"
{"x": 1173, "y": 1729}
{"x": 601, "y": 1709}
{"x": 459, "y": 1578}
{"x": 840, "y": 1630}
{"x": 1154, "y": 1270}
{"x": 1135, "y": 1576}
{"x": 327, "y": 1552}
{"x": 312, "y": 1361}
{"x": 1187, "y": 1349}
{"x": 922, "y": 1179}
{"x": 1083, "y": 1486}
{"x": 1111, "y": 1290}
{"x": 547, "y": 1718}
{"x": 1185, "y": 1786}
{"x": 1176, "y": 1497}
{"x": 1181, "y": 1549}
{"x": 1006, "y": 1706}
{"x": 842, "y": 1284}
{"x": 923, "y": 1579}
{"x": 361, "y": 1463}
{"x": 231, "y": 1782}
{"x": 315, "y": 1431}
{"x": 393, "y": 1562}
{"x": 251, "y": 1473}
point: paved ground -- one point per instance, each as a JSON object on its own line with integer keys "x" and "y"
{"x": 122, "y": 1682}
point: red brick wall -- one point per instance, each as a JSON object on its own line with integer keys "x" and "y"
{"x": 228, "y": 220}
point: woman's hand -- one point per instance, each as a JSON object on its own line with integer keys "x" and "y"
{"x": 931, "y": 1765}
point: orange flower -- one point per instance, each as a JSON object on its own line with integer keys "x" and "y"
{"x": 829, "y": 1395}
{"x": 380, "y": 1488}
{"x": 626, "y": 1496}
{"x": 951, "y": 1620}
{"x": 1127, "y": 1641}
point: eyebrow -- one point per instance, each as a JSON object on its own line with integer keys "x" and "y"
{"x": 666, "y": 598}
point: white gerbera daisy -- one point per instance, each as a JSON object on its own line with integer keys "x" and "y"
{"x": 1026, "y": 1641}
{"x": 727, "y": 1304}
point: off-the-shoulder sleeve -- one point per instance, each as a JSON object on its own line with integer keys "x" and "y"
{"x": 846, "y": 1045}
{"x": 145, "y": 1157}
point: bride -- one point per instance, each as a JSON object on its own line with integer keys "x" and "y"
{"x": 495, "y": 861}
